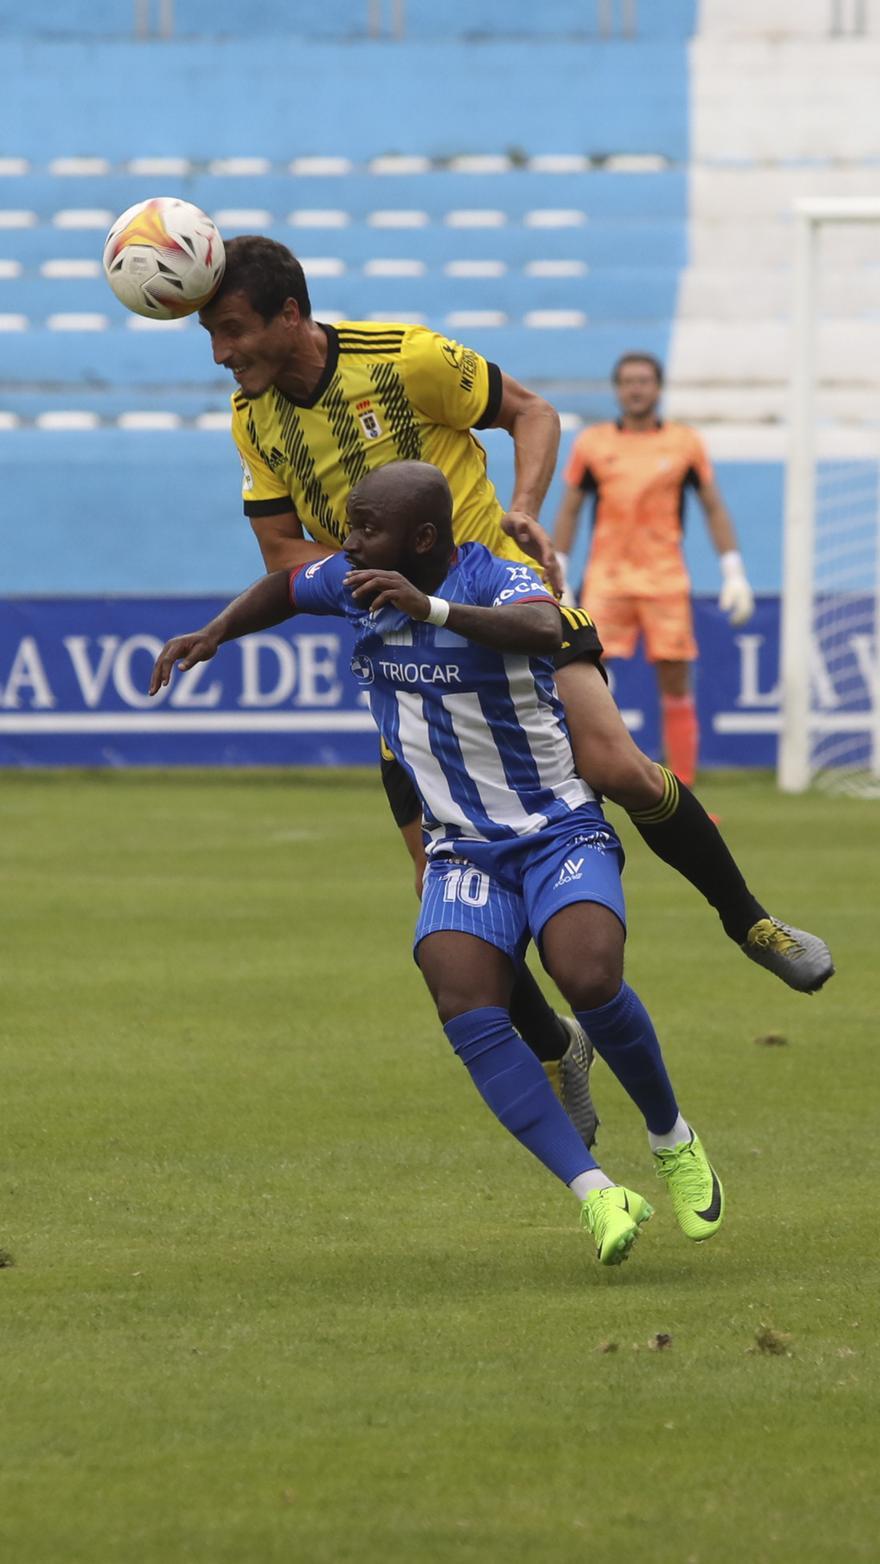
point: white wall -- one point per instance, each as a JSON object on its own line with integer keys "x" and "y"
{"x": 779, "y": 110}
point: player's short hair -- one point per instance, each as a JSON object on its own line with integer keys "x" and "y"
{"x": 638, "y": 358}
{"x": 266, "y": 272}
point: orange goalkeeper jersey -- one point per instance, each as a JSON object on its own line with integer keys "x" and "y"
{"x": 638, "y": 479}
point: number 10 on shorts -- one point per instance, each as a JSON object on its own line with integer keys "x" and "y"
{"x": 468, "y": 886}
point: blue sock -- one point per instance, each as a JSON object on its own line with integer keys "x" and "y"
{"x": 622, "y": 1033}
{"x": 513, "y": 1083}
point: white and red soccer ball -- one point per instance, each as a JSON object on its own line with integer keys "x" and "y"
{"x": 164, "y": 258}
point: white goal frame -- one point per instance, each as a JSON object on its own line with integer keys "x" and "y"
{"x": 796, "y": 723}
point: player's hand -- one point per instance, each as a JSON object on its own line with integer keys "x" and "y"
{"x": 381, "y": 588}
{"x": 737, "y": 599}
{"x": 533, "y": 540}
{"x": 186, "y": 651}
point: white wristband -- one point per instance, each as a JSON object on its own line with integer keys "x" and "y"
{"x": 438, "y": 613}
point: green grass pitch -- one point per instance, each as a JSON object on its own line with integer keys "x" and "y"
{"x": 277, "y": 1288}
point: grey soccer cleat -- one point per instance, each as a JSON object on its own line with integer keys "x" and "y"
{"x": 801, "y": 960}
{"x": 570, "y": 1079}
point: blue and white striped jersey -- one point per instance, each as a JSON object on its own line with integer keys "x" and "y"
{"x": 481, "y": 732}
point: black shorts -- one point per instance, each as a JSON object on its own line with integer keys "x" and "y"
{"x": 580, "y": 639}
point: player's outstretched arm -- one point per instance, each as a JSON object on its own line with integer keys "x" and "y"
{"x": 565, "y": 528}
{"x": 534, "y": 629}
{"x": 533, "y": 425}
{"x": 737, "y": 599}
{"x": 264, "y": 604}
{"x": 282, "y": 543}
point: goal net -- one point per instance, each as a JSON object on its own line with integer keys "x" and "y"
{"x": 830, "y": 639}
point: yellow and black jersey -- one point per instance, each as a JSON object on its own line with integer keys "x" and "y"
{"x": 389, "y": 392}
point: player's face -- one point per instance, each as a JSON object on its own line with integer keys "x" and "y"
{"x": 638, "y": 389}
{"x": 374, "y": 540}
{"x": 257, "y": 351}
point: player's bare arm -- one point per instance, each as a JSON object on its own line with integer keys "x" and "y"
{"x": 736, "y": 599}
{"x": 533, "y": 425}
{"x": 531, "y": 628}
{"x": 263, "y": 605}
{"x": 718, "y": 517}
{"x": 282, "y": 542}
{"x": 565, "y": 527}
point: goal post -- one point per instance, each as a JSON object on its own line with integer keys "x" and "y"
{"x": 830, "y": 636}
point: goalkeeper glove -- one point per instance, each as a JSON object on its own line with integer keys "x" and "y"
{"x": 737, "y": 599}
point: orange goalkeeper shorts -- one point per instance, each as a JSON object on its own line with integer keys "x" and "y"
{"x": 666, "y": 623}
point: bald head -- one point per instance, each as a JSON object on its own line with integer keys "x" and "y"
{"x": 408, "y": 493}
{"x": 400, "y": 518}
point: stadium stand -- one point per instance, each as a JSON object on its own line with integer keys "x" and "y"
{"x": 615, "y": 192}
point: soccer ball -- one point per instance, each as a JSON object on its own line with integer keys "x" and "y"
{"x": 163, "y": 258}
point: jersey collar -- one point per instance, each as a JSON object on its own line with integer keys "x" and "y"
{"x": 327, "y": 372}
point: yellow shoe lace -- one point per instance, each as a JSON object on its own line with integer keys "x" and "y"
{"x": 767, "y": 934}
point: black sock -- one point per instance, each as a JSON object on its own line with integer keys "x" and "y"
{"x": 680, "y": 832}
{"x": 535, "y": 1020}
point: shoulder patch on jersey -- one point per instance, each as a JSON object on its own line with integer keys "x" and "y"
{"x": 521, "y": 582}
{"x": 387, "y": 340}
{"x": 463, "y": 361}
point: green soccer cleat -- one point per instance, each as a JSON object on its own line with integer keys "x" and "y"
{"x": 614, "y": 1217}
{"x": 801, "y": 960}
{"x": 570, "y": 1079}
{"x": 697, "y": 1196}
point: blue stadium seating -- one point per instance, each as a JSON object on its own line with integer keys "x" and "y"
{"x": 602, "y": 196}
{"x": 600, "y": 244}
{"x": 435, "y": 98}
{"x": 135, "y": 359}
{"x": 602, "y": 105}
{"x": 346, "y": 19}
{"x": 619, "y": 295}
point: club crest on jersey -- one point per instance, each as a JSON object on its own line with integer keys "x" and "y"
{"x": 368, "y": 420}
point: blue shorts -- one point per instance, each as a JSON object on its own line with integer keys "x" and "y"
{"x": 504, "y": 893}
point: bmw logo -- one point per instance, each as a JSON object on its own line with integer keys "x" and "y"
{"x": 362, "y": 669}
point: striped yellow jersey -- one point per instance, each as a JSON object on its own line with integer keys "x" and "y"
{"x": 389, "y": 392}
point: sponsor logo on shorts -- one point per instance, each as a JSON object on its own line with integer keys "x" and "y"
{"x": 571, "y": 870}
{"x": 598, "y": 840}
